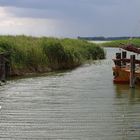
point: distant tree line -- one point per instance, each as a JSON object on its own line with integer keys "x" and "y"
{"x": 102, "y": 38}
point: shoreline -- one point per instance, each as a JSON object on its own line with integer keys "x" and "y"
{"x": 23, "y": 55}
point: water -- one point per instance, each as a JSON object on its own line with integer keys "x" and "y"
{"x": 97, "y": 42}
{"x": 82, "y": 104}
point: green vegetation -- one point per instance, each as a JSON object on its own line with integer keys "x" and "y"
{"x": 117, "y": 43}
{"x": 32, "y": 54}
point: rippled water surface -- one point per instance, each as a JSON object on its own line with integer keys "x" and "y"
{"x": 82, "y": 104}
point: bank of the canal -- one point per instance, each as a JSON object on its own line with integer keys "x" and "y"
{"x": 30, "y": 55}
{"x": 82, "y": 104}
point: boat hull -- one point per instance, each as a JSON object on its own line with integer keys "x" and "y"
{"x": 121, "y": 75}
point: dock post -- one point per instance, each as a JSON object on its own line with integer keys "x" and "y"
{"x": 124, "y": 55}
{"x": 132, "y": 71}
{"x": 118, "y": 56}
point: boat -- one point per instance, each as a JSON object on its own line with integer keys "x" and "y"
{"x": 131, "y": 48}
{"x": 122, "y": 69}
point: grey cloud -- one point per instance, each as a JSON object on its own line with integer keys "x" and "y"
{"x": 97, "y": 17}
{"x": 43, "y": 4}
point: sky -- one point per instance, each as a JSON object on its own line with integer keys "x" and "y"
{"x": 70, "y": 18}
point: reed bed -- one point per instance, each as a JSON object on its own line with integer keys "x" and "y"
{"x": 42, "y": 54}
{"x": 117, "y": 43}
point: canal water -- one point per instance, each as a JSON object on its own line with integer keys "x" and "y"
{"x": 82, "y": 104}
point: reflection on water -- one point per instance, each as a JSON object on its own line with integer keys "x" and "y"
{"x": 124, "y": 91}
{"x": 82, "y": 104}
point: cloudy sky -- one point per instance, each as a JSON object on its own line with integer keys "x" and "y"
{"x": 70, "y": 18}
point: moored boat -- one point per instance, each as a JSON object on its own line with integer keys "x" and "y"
{"x": 122, "y": 68}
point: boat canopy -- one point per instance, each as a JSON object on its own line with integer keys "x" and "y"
{"x": 131, "y": 48}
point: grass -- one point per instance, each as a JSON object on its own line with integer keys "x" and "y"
{"x": 117, "y": 43}
{"x": 32, "y": 54}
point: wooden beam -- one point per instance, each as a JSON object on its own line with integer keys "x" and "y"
{"x": 118, "y": 57}
{"x": 132, "y": 71}
{"x": 124, "y": 55}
